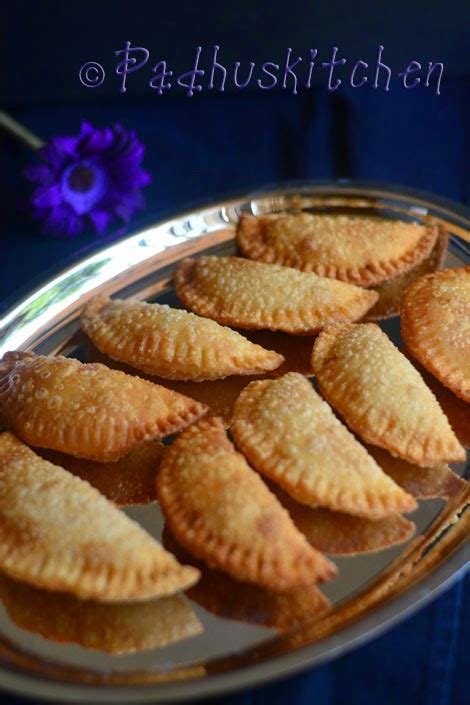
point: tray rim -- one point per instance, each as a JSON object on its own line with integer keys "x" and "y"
{"x": 381, "y": 618}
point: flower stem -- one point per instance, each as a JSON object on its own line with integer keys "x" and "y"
{"x": 16, "y": 129}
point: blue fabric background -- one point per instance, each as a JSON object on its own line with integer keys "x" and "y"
{"x": 202, "y": 148}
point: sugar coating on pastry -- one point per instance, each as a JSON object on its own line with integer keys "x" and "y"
{"x": 58, "y": 532}
{"x": 421, "y": 482}
{"x": 246, "y": 294}
{"x": 381, "y": 396}
{"x": 290, "y": 435}
{"x": 129, "y": 480}
{"x": 221, "y": 511}
{"x": 123, "y": 628}
{"x": 87, "y": 410}
{"x": 435, "y": 325}
{"x": 357, "y": 249}
{"x": 171, "y": 342}
{"x": 340, "y": 534}
{"x": 391, "y": 291}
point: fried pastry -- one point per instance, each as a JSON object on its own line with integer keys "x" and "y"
{"x": 113, "y": 628}
{"x": 172, "y": 343}
{"x": 218, "y": 395}
{"x": 87, "y": 410}
{"x": 391, "y": 291}
{"x": 58, "y": 532}
{"x": 129, "y": 480}
{"x": 422, "y": 483}
{"x": 381, "y": 396}
{"x": 341, "y": 534}
{"x": 290, "y": 435}
{"x": 245, "y": 294}
{"x": 356, "y": 249}
{"x": 220, "y": 510}
{"x": 225, "y": 597}
{"x": 435, "y": 326}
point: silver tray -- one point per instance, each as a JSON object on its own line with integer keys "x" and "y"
{"x": 372, "y": 592}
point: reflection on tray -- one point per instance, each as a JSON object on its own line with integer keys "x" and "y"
{"x": 342, "y": 534}
{"x": 130, "y": 480}
{"x": 457, "y": 410}
{"x": 225, "y": 597}
{"x": 421, "y": 482}
{"x": 113, "y": 628}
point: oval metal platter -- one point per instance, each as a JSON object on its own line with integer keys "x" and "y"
{"x": 372, "y": 591}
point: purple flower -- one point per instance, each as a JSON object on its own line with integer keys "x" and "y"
{"x": 94, "y": 178}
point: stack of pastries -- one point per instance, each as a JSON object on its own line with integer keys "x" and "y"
{"x": 265, "y": 473}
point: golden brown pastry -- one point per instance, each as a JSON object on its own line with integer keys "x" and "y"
{"x": 87, "y": 410}
{"x": 58, "y": 532}
{"x": 245, "y": 294}
{"x": 121, "y": 628}
{"x": 218, "y": 395}
{"x": 357, "y": 249}
{"x": 435, "y": 326}
{"x": 290, "y": 435}
{"x": 172, "y": 343}
{"x": 381, "y": 396}
{"x": 220, "y": 510}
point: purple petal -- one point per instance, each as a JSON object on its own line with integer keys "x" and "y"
{"x": 143, "y": 178}
{"x": 97, "y": 141}
{"x": 47, "y": 196}
{"x": 86, "y": 128}
{"x": 54, "y": 156}
{"x": 66, "y": 144}
{"x": 100, "y": 219}
{"x": 62, "y": 221}
{"x": 39, "y": 173}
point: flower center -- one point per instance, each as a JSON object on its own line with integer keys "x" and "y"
{"x": 81, "y": 178}
{"x": 83, "y": 184}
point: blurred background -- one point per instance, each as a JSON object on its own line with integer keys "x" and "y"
{"x": 201, "y": 148}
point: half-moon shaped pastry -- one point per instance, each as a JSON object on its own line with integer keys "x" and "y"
{"x": 171, "y": 342}
{"x": 122, "y": 628}
{"x": 245, "y": 294}
{"x": 357, "y": 249}
{"x": 381, "y": 396}
{"x": 391, "y": 291}
{"x": 290, "y": 435}
{"x": 87, "y": 410}
{"x": 340, "y": 534}
{"x": 58, "y": 532}
{"x": 220, "y": 510}
{"x": 435, "y": 326}
{"x": 129, "y": 480}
